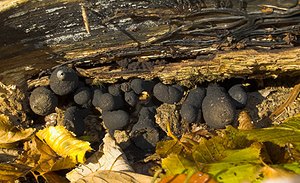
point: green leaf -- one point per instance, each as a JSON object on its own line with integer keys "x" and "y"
{"x": 287, "y": 132}
{"x": 237, "y": 166}
{"x": 229, "y": 157}
{"x": 209, "y": 151}
{"x": 295, "y": 167}
{"x": 164, "y": 148}
{"x": 212, "y": 150}
{"x": 177, "y": 164}
{"x": 240, "y": 173}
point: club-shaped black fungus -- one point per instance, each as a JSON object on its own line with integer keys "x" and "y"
{"x": 42, "y": 101}
{"x": 239, "y": 96}
{"x": 146, "y": 139}
{"x": 178, "y": 87}
{"x": 167, "y": 94}
{"x": 74, "y": 120}
{"x": 189, "y": 113}
{"x": 63, "y": 80}
{"x": 125, "y": 87}
{"x": 147, "y": 112}
{"x": 115, "y": 90}
{"x": 175, "y": 93}
{"x": 97, "y": 92}
{"x": 217, "y": 107}
{"x": 137, "y": 85}
{"x": 148, "y": 86}
{"x": 160, "y": 91}
{"x": 131, "y": 98}
{"x": 108, "y": 102}
{"x": 115, "y": 120}
{"x": 82, "y": 96}
{"x": 195, "y": 97}
{"x": 143, "y": 133}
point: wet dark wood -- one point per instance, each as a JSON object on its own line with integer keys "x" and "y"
{"x": 191, "y": 41}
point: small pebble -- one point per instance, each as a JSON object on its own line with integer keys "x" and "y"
{"x": 42, "y": 101}
{"x": 115, "y": 120}
{"x": 82, "y": 96}
{"x": 239, "y": 96}
{"x": 217, "y": 107}
{"x": 63, "y": 80}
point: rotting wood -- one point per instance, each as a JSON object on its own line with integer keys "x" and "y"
{"x": 249, "y": 64}
{"x": 188, "y": 42}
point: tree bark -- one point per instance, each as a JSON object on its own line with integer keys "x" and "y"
{"x": 176, "y": 41}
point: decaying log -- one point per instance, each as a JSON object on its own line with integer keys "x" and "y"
{"x": 249, "y": 64}
{"x": 176, "y": 41}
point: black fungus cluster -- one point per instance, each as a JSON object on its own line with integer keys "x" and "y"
{"x": 63, "y": 80}
{"x": 168, "y": 94}
{"x": 73, "y": 119}
{"x": 131, "y": 105}
{"x": 239, "y": 95}
{"x": 218, "y": 108}
{"x": 83, "y": 96}
{"x": 144, "y": 133}
{"x": 215, "y": 106}
{"x": 115, "y": 120}
{"x": 191, "y": 109}
{"x": 42, "y": 101}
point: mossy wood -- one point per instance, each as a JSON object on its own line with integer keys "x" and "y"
{"x": 177, "y": 41}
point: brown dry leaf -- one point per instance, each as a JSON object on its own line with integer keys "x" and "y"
{"x": 10, "y": 134}
{"x": 104, "y": 176}
{"x": 245, "y": 121}
{"x": 42, "y": 158}
{"x": 52, "y": 177}
{"x": 10, "y": 172}
{"x": 64, "y": 143}
{"x": 8, "y": 155}
{"x": 12, "y": 102}
{"x": 110, "y": 158}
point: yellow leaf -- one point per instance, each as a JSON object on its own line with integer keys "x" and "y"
{"x": 42, "y": 158}
{"x": 64, "y": 143}
{"x": 9, "y": 134}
